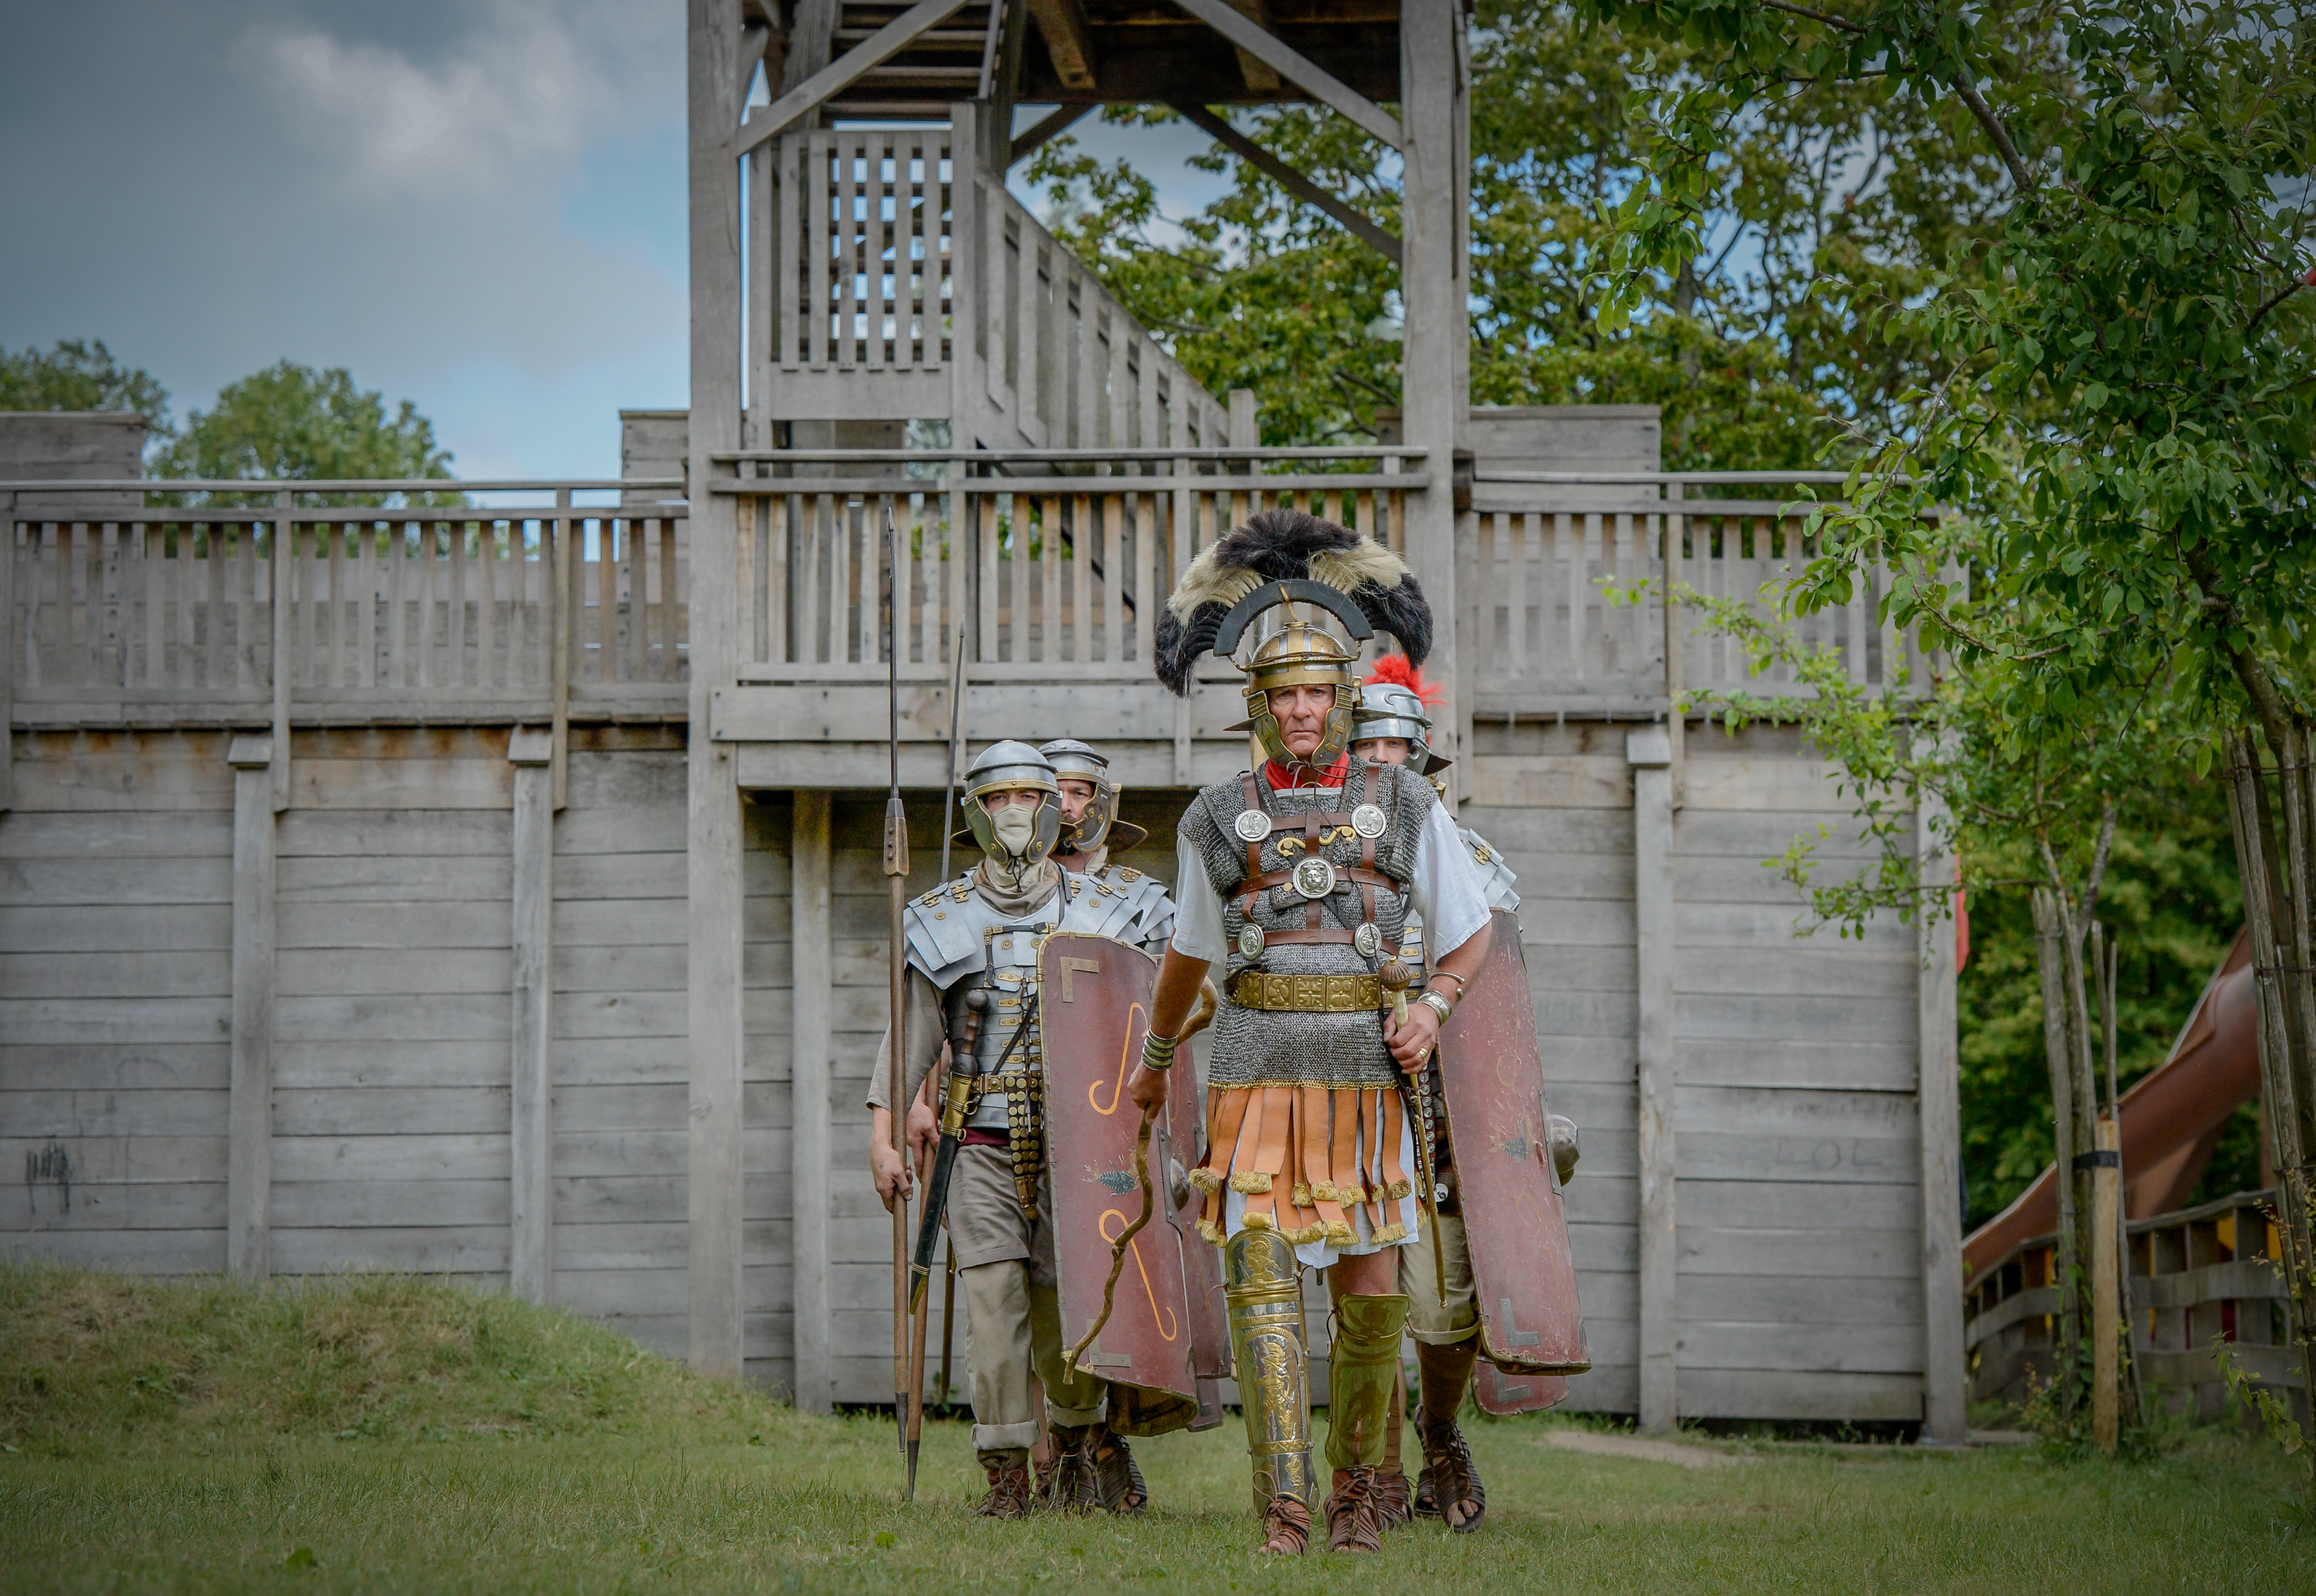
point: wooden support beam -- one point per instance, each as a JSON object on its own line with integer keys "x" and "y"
{"x": 812, "y": 1024}
{"x": 1062, "y": 25}
{"x": 712, "y": 814}
{"x": 249, "y": 1111}
{"x": 880, "y": 47}
{"x": 1026, "y": 142}
{"x": 1366, "y": 230}
{"x": 1435, "y": 329}
{"x": 284, "y": 565}
{"x": 530, "y": 1273}
{"x": 811, "y": 42}
{"x": 7, "y": 652}
{"x": 1650, "y": 754}
{"x": 1251, "y": 70}
{"x": 1308, "y": 76}
{"x": 1938, "y": 1099}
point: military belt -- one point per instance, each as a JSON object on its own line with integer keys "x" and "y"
{"x": 1307, "y": 994}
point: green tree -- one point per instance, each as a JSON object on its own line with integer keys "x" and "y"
{"x": 1755, "y": 362}
{"x": 290, "y": 422}
{"x": 81, "y": 374}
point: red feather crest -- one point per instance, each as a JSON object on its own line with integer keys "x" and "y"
{"x": 1396, "y": 670}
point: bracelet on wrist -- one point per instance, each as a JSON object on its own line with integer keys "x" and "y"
{"x": 1438, "y": 1004}
{"x": 1158, "y": 1052}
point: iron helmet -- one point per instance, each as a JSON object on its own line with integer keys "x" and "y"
{"x": 1011, "y": 766}
{"x": 1078, "y": 762}
{"x": 1387, "y": 710}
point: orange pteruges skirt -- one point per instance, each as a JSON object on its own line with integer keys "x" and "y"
{"x": 1306, "y": 1159}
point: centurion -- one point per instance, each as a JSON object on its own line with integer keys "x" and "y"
{"x": 1296, "y": 879}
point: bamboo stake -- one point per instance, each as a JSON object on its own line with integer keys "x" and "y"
{"x": 2105, "y": 1303}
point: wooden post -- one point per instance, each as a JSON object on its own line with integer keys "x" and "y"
{"x": 1436, "y": 325}
{"x": 8, "y": 651}
{"x": 812, "y": 1022}
{"x": 713, "y": 834}
{"x": 1938, "y": 1107}
{"x": 285, "y": 544}
{"x": 1650, "y": 755}
{"x": 1676, "y": 533}
{"x": 530, "y": 1273}
{"x": 557, "y": 577}
{"x": 2106, "y": 1307}
{"x": 968, "y": 373}
{"x": 249, "y": 1113}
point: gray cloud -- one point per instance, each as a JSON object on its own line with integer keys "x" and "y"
{"x": 211, "y": 186}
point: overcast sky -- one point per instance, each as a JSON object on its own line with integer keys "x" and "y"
{"x": 476, "y": 205}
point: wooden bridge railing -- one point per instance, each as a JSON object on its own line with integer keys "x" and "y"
{"x": 176, "y": 613}
{"x": 2198, "y": 1275}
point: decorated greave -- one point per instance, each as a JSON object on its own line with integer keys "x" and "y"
{"x": 1361, "y": 1378}
{"x": 1263, "y": 1287}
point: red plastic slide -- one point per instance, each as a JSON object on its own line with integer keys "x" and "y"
{"x": 2171, "y": 1120}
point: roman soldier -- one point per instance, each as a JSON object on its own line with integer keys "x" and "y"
{"x": 972, "y": 955}
{"x": 1092, "y": 833}
{"x": 1393, "y": 725}
{"x": 1297, "y": 878}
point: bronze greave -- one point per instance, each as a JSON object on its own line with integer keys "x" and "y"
{"x": 1263, "y": 1287}
{"x": 1361, "y": 1377}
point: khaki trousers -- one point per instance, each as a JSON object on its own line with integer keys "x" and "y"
{"x": 1427, "y": 1320}
{"x": 1013, "y": 1319}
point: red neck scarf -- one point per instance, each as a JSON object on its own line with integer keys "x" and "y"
{"x": 1302, "y": 775}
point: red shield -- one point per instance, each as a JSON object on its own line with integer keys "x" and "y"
{"x": 1094, "y": 1009}
{"x": 1182, "y": 1132}
{"x": 1521, "y": 1267}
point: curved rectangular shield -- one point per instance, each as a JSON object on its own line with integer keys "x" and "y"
{"x": 1184, "y": 1130}
{"x": 1492, "y": 1075}
{"x": 1094, "y": 1008}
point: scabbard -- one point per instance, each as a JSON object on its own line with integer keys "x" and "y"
{"x": 920, "y": 1267}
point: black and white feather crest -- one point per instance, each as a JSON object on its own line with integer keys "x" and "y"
{"x": 1279, "y": 546}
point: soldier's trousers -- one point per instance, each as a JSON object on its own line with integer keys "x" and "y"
{"x": 1428, "y": 1320}
{"x": 1005, "y": 1264}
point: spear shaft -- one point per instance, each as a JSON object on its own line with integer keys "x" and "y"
{"x": 896, "y": 872}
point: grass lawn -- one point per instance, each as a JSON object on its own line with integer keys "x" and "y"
{"x": 373, "y": 1434}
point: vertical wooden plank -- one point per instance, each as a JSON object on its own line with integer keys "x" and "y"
{"x": 990, "y": 642}
{"x": 1148, "y": 518}
{"x": 635, "y": 552}
{"x": 455, "y": 632}
{"x": 1185, "y": 513}
{"x": 1113, "y": 510}
{"x": 847, "y": 234}
{"x": 284, "y": 665}
{"x": 1049, "y": 550}
{"x": 812, "y": 1024}
{"x": 1081, "y": 598}
{"x": 7, "y": 651}
{"x": 610, "y": 534}
{"x": 876, "y": 234}
{"x": 558, "y": 576}
{"x": 1939, "y": 1099}
{"x": 364, "y": 641}
{"x": 1028, "y": 333}
{"x": 245, "y": 605}
{"x": 306, "y": 617}
{"x": 531, "y": 1271}
{"x": 791, "y": 222}
{"x": 1676, "y": 644}
{"x": 1650, "y": 755}
{"x": 669, "y": 607}
{"x": 249, "y": 1113}
{"x": 146, "y": 589}
{"x": 716, "y": 1031}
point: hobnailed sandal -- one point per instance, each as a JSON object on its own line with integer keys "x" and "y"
{"x": 1116, "y": 1478}
{"x": 1068, "y": 1483}
{"x": 1285, "y": 1527}
{"x": 1394, "y": 1502}
{"x": 1450, "y": 1477}
{"x": 1008, "y": 1487}
{"x": 1353, "y": 1521}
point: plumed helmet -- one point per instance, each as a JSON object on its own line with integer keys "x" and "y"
{"x": 1396, "y": 701}
{"x": 1289, "y": 557}
{"x": 1010, "y": 766}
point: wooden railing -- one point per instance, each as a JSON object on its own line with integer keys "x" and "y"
{"x": 1052, "y": 574}
{"x": 2199, "y": 1275}
{"x": 1564, "y": 576}
{"x": 863, "y": 243}
{"x": 135, "y": 613}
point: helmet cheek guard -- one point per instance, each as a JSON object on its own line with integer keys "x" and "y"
{"x": 1090, "y": 829}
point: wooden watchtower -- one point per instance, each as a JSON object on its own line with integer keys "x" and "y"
{"x": 491, "y": 890}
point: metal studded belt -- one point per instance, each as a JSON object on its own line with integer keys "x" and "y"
{"x": 1307, "y": 994}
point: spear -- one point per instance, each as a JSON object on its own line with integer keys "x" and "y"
{"x": 922, "y": 1310}
{"x": 897, "y": 873}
